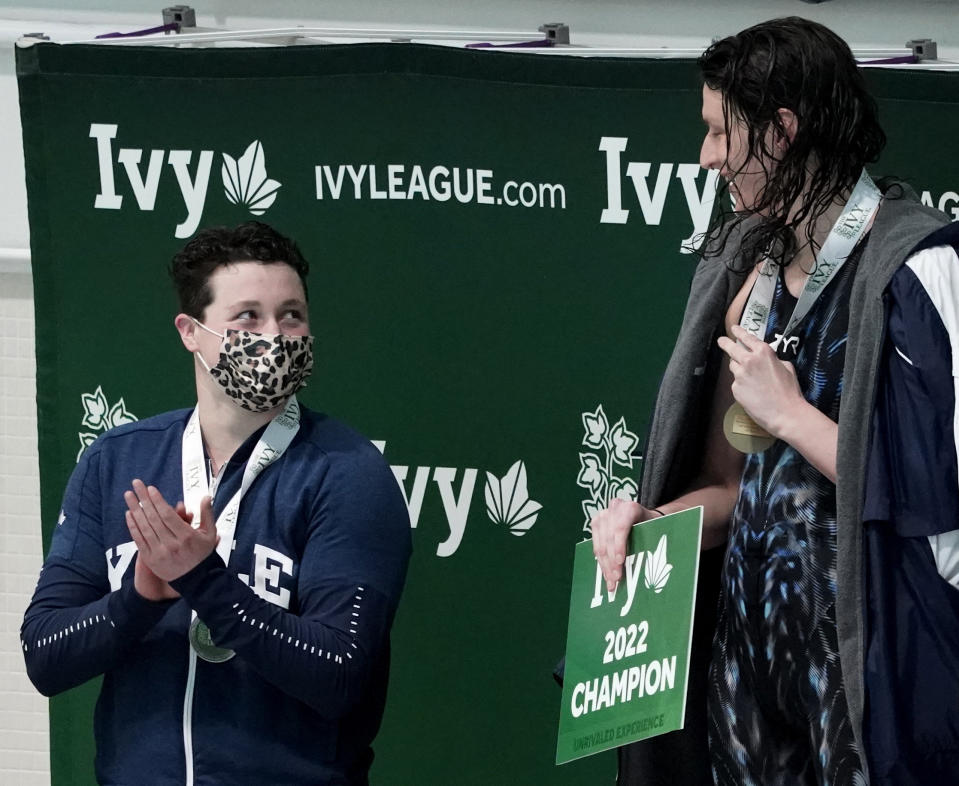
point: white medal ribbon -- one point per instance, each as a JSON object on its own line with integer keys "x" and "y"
{"x": 843, "y": 237}
{"x": 274, "y": 442}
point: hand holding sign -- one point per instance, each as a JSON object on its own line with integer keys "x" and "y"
{"x": 627, "y": 653}
{"x": 611, "y": 528}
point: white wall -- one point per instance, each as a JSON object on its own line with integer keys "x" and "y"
{"x": 884, "y": 24}
{"x": 24, "y": 739}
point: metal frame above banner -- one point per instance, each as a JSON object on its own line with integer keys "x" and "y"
{"x": 180, "y": 30}
{"x": 314, "y": 35}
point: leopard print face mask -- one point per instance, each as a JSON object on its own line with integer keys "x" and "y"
{"x": 260, "y": 371}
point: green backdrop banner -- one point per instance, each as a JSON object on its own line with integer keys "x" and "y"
{"x": 498, "y": 274}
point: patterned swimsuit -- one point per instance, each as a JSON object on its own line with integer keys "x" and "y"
{"x": 777, "y": 708}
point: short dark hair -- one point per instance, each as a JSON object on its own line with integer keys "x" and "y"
{"x": 211, "y": 248}
{"x": 800, "y": 65}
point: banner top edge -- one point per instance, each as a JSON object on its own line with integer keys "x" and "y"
{"x": 51, "y": 58}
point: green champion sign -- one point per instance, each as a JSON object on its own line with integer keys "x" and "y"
{"x": 627, "y": 650}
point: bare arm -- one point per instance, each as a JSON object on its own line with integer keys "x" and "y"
{"x": 715, "y": 488}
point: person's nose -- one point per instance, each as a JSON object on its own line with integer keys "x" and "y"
{"x": 710, "y": 153}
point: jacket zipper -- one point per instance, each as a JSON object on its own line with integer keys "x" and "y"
{"x": 188, "y": 716}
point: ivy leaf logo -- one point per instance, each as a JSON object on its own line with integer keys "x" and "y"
{"x": 624, "y": 442}
{"x": 608, "y": 449}
{"x": 118, "y": 415}
{"x": 657, "y": 568}
{"x": 592, "y": 476}
{"x": 86, "y": 440}
{"x": 95, "y": 408}
{"x": 245, "y": 182}
{"x": 99, "y": 416}
{"x": 590, "y": 508}
{"x": 623, "y": 488}
{"x": 508, "y": 502}
{"x": 596, "y": 426}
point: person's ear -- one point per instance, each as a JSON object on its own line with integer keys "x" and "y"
{"x": 187, "y": 328}
{"x": 786, "y": 131}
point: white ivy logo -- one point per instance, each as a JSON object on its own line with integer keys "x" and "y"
{"x": 657, "y": 568}
{"x": 100, "y": 416}
{"x": 245, "y": 182}
{"x": 613, "y": 448}
{"x": 508, "y": 502}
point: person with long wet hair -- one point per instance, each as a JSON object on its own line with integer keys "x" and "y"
{"x": 808, "y": 431}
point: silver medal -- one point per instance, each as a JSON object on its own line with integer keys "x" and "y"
{"x": 203, "y": 645}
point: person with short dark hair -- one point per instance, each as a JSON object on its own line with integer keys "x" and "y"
{"x": 809, "y": 431}
{"x": 233, "y": 569}
{"x": 211, "y": 248}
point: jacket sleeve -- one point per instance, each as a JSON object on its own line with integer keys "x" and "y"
{"x": 76, "y": 628}
{"x": 351, "y": 575}
{"x": 916, "y": 423}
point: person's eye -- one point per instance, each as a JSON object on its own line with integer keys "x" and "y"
{"x": 293, "y": 315}
{"x": 245, "y": 316}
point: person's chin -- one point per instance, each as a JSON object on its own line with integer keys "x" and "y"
{"x": 741, "y": 204}
{"x": 736, "y": 197}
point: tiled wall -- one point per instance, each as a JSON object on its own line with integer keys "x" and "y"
{"x": 24, "y": 735}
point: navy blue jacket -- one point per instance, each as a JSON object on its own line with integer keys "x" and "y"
{"x": 322, "y": 546}
{"x": 911, "y": 718}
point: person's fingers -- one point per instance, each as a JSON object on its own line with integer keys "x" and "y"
{"x": 600, "y": 528}
{"x": 736, "y": 352}
{"x": 147, "y": 517}
{"x": 140, "y": 489}
{"x": 133, "y": 503}
{"x": 182, "y": 512}
{"x": 207, "y": 522}
{"x": 595, "y": 527}
{"x": 138, "y": 516}
{"x": 615, "y": 548}
{"x": 747, "y": 339}
{"x": 610, "y": 528}
{"x": 164, "y": 518}
{"x": 143, "y": 546}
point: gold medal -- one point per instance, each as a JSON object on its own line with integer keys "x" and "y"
{"x": 203, "y": 645}
{"x": 743, "y": 433}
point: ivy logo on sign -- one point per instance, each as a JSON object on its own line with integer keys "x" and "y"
{"x": 245, "y": 181}
{"x": 599, "y": 468}
{"x": 657, "y": 568}
{"x": 99, "y": 415}
{"x": 655, "y": 575}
